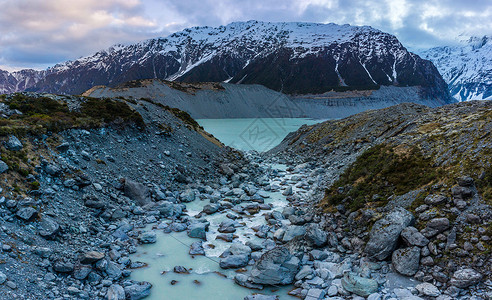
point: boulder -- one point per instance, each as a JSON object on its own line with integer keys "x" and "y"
{"x": 48, "y": 227}
{"x": 359, "y": 285}
{"x": 148, "y": 237}
{"x": 138, "y": 291}
{"x": 187, "y": 196}
{"x": 211, "y": 208}
{"x": 3, "y": 167}
{"x": 412, "y": 237}
{"x": 261, "y": 297}
{"x": 292, "y": 232}
{"x": 91, "y": 257}
{"x": 63, "y": 267}
{"x": 384, "y": 234}
{"x": 234, "y": 261}
{"x": 465, "y": 278}
{"x": 169, "y": 210}
{"x": 115, "y": 292}
{"x": 277, "y": 266}
{"x": 435, "y": 226}
{"x": 198, "y": 230}
{"x": 315, "y": 235}
{"x": 13, "y": 143}
{"x": 137, "y": 192}
{"x": 406, "y": 261}
{"x": 26, "y": 213}
{"x": 428, "y": 289}
{"x": 197, "y": 248}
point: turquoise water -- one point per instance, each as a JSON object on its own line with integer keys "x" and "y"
{"x": 260, "y": 134}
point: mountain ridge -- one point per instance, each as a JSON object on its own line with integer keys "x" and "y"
{"x": 285, "y": 57}
{"x": 466, "y": 67}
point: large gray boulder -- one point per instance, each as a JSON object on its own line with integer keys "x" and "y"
{"x": 406, "y": 261}
{"x": 138, "y": 291}
{"x": 198, "y": 230}
{"x": 465, "y": 278}
{"x": 276, "y": 267}
{"x": 3, "y": 167}
{"x": 13, "y": 143}
{"x": 48, "y": 227}
{"x": 234, "y": 261}
{"x": 137, "y": 192}
{"x": 384, "y": 234}
{"x": 26, "y": 213}
{"x": 413, "y": 237}
{"x": 315, "y": 235}
{"x": 115, "y": 292}
{"x": 359, "y": 285}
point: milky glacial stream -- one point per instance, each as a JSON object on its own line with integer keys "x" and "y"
{"x": 206, "y": 279}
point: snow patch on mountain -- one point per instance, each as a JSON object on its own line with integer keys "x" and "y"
{"x": 466, "y": 67}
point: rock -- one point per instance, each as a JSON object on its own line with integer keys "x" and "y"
{"x": 315, "y": 294}
{"x": 406, "y": 261}
{"x": 234, "y": 261}
{"x": 81, "y": 272}
{"x": 26, "y": 213}
{"x": 198, "y": 230}
{"x": 435, "y": 199}
{"x": 52, "y": 170}
{"x": 63, "y": 147}
{"x": 435, "y": 226}
{"x": 63, "y": 267}
{"x": 187, "y": 196}
{"x": 3, "y": 167}
{"x": 211, "y": 208}
{"x": 197, "y": 248}
{"x": 305, "y": 271}
{"x": 237, "y": 249}
{"x": 113, "y": 270}
{"x": 465, "y": 181}
{"x": 137, "y": 192}
{"x": 138, "y": 291}
{"x": 292, "y": 232}
{"x": 288, "y": 191}
{"x": 385, "y": 232}
{"x": 148, "y": 237}
{"x": 277, "y": 266}
{"x": 413, "y": 237}
{"x": 359, "y": 285}
{"x": 465, "y": 278}
{"x": 91, "y": 257}
{"x": 261, "y": 297}
{"x": 181, "y": 270}
{"x": 48, "y": 227}
{"x": 13, "y": 143}
{"x": 315, "y": 235}
{"x": 242, "y": 280}
{"x": 428, "y": 289}
{"x": 115, "y": 292}
{"x": 3, "y": 277}
{"x": 168, "y": 209}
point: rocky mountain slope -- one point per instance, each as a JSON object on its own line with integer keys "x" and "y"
{"x": 294, "y": 58}
{"x": 226, "y": 100}
{"x": 467, "y": 67}
{"x": 408, "y": 184}
{"x": 72, "y": 175}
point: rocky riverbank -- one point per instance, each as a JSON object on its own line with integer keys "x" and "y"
{"x": 81, "y": 194}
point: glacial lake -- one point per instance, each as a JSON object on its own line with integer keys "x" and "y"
{"x": 260, "y": 134}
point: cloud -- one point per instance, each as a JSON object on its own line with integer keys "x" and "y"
{"x": 42, "y": 33}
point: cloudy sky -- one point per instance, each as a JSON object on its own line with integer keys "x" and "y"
{"x": 41, "y": 33}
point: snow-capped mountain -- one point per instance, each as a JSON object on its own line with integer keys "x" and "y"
{"x": 20, "y": 80}
{"x": 295, "y": 58}
{"x": 467, "y": 68}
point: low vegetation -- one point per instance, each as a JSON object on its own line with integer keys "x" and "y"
{"x": 378, "y": 173}
{"x": 45, "y": 114}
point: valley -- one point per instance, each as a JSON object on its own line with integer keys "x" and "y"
{"x": 255, "y": 161}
